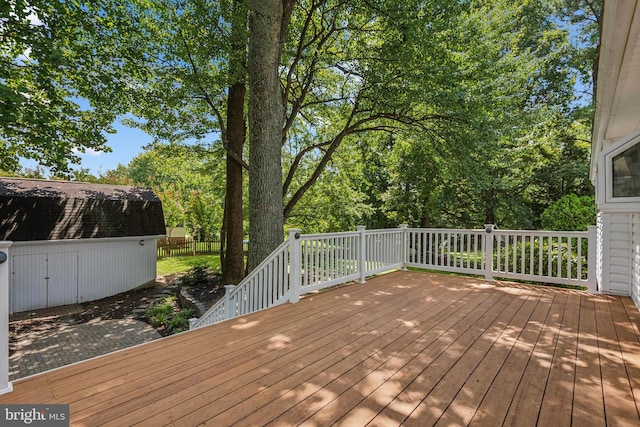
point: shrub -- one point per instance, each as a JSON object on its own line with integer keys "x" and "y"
{"x": 180, "y": 321}
{"x": 197, "y": 274}
{"x": 168, "y": 315}
{"x": 570, "y": 213}
{"x": 160, "y": 314}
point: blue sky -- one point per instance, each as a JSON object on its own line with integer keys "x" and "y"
{"x": 125, "y": 144}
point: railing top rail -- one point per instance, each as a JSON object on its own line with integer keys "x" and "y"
{"x": 351, "y": 233}
{"x": 501, "y": 232}
{"x": 328, "y": 235}
{"x": 448, "y": 230}
{"x": 541, "y": 233}
{"x": 385, "y": 231}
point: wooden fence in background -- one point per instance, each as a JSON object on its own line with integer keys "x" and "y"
{"x": 188, "y": 247}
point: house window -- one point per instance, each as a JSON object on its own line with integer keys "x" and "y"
{"x": 618, "y": 184}
{"x": 626, "y": 173}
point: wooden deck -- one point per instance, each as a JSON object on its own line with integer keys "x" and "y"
{"x": 406, "y": 348}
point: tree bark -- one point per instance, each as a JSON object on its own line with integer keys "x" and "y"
{"x": 266, "y": 226}
{"x": 233, "y": 270}
{"x": 233, "y": 267}
{"x": 489, "y": 207}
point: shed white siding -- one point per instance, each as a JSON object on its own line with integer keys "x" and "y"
{"x": 51, "y": 273}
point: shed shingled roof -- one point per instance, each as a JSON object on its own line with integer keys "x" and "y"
{"x": 33, "y": 210}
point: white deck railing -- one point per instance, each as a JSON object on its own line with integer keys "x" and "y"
{"x": 307, "y": 263}
{"x": 543, "y": 256}
{"x": 5, "y": 256}
{"x": 459, "y": 251}
{"x": 266, "y": 286}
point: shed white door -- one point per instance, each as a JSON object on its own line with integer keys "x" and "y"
{"x": 29, "y": 290}
{"x": 62, "y": 273}
{"x": 44, "y": 280}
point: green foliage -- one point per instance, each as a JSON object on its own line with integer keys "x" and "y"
{"x": 61, "y": 83}
{"x": 168, "y": 315}
{"x": 433, "y": 113}
{"x": 188, "y": 180}
{"x": 335, "y": 201}
{"x": 180, "y": 321}
{"x": 570, "y": 213}
{"x": 160, "y": 314}
{"x": 197, "y": 274}
{"x": 516, "y": 149}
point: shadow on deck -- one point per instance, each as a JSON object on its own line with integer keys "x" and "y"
{"x": 407, "y": 348}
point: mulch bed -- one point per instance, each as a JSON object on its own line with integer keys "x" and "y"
{"x": 209, "y": 291}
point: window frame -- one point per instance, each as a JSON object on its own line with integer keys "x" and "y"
{"x": 606, "y": 181}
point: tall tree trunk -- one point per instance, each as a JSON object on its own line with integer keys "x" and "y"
{"x": 223, "y": 236}
{"x": 489, "y": 206}
{"x": 266, "y": 226}
{"x": 426, "y": 220}
{"x": 233, "y": 262}
{"x": 233, "y": 267}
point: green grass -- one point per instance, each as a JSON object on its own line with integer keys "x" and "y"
{"x": 178, "y": 264}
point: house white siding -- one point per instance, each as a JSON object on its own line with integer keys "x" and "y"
{"x": 635, "y": 259}
{"x": 616, "y": 253}
{"x": 51, "y": 273}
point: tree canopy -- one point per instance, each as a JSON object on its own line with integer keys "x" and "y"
{"x": 442, "y": 113}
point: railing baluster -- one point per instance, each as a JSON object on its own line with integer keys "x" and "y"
{"x": 559, "y": 263}
{"x": 454, "y": 244}
{"x": 579, "y": 263}
{"x": 507, "y": 253}
{"x": 522, "y": 257}
{"x": 320, "y": 252}
{"x": 502, "y": 239}
{"x": 569, "y": 256}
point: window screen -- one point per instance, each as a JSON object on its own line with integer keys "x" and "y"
{"x": 626, "y": 173}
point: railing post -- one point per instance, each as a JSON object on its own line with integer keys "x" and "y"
{"x": 192, "y": 323}
{"x": 230, "y": 310}
{"x": 5, "y": 384}
{"x": 405, "y": 242}
{"x": 362, "y": 254}
{"x": 295, "y": 265}
{"x": 488, "y": 252}
{"x": 592, "y": 282}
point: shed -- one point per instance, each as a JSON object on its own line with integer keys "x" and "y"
{"x": 75, "y": 242}
{"x": 615, "y": 150}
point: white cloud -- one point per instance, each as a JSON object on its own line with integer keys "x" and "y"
{"x": 88, "y": 152}
{"x": 34, "y": 20}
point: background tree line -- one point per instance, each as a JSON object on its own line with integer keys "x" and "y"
{"x": 317, "y": 114}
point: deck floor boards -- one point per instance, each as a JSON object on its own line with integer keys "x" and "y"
{"x": 406, "y": 348}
